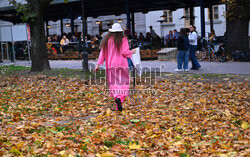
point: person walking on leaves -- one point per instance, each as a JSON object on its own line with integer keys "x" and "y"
{"x": 115, "y": 51}
{"x": 193, "y": 40}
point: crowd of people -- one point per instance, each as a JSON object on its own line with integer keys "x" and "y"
{"x": 60, "y": 44}
{"x": 151, "y": 40}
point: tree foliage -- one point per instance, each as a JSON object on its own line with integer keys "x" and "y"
{"x": 237, "y": 9}
{"x": 25, "y": 11}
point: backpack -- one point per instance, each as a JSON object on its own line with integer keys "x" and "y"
{"x": 199, "y": 44}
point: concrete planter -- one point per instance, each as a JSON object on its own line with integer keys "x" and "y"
{"x": 167, "y": 54}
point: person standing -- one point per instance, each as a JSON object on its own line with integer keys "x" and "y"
{"x": 176, "y": 36}
{"x": 169, "y": 39}
{"x": 152, "y": 32}
{"x": 115, "y": 51}
{"x": 193, "y": 40}
{"x": 183, "y": 47}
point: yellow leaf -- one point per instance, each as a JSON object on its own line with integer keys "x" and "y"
{"x": 62, "y": 153}
{"x": 245, "y": 125}
{"x": 60, "y": 134}
{"x": 170, "y": 130}
{"x": 134, "y": 146}
{"x": 19, "y": 145}
{"x": 202, "y": 100}
{"x": 108, "y": 112}
{"x": 107, "y": 154}
{"x": 227, "y": 113}
{"x": 177, "y": 143}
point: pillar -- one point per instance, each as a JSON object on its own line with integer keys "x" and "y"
{"x": 86, "y": 26}
{"x": 211, "y": 18}
{"x": 133, "y": 23}
{"x": 128, "y": 16}
{"x": 72, "y": 25}
{"x": 192, "y": 16}
{"x": 61, "y": 22}
{"x": 202, "y": 14}
{"x": 85, "y": 66}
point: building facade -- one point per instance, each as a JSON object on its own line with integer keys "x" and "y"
{"x": 180, "y": 18}
{"x": 173, "y": 20}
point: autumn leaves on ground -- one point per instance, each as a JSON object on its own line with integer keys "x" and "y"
{"x": 42, "y": 115}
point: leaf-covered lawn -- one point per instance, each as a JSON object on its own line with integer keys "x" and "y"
{"x": 46, "y": 115}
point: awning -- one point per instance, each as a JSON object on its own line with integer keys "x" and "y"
{"x": 94, "y": 8}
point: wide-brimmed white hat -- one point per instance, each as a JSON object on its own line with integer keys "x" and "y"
{"x": 116, "y": 27}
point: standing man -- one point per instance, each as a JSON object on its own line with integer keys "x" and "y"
{"x": 193, "y": 40}
{"x": 176, "y": 36}
{"x": 152, "y": 32}
{"x": 169, "y": 39}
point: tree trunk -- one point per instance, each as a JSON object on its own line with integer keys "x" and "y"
{"x": 237, "y": 35}
{"x": 39, "y": 54}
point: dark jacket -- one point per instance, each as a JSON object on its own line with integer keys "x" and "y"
{"x": 183, "y": 43}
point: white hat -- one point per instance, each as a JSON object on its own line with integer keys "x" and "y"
{"x": 116, "y": 27}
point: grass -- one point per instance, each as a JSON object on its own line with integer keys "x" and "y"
{"x": 12, "y": 69}
{"x": 79, "y": 74}
{"x": 63, "y": 72}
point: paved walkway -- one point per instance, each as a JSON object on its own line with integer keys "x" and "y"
{"x": 164, "y": 66}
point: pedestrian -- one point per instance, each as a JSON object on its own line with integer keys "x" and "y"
{"x": 169, "y": 39}
{"x": 183, "y": 48}
{"x": 193, "y": 40}
{"x": 176, "y": 36}
{"x": 115, "y": 51}
{"x": 152, "y": 32}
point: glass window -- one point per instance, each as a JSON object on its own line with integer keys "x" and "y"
{"x": 168, "y": 16}
{"x": 215, "y": 13}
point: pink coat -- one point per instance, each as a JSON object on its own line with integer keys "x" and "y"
{"x": 117, "y": 69}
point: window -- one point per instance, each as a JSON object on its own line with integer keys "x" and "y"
{"x": 168, "y": 16}
{"x": 215, "y": 13}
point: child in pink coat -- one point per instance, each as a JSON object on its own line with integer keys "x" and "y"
{"x": 115, "y": 51}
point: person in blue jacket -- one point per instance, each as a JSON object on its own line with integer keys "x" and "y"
{"x": 183, "y": 50}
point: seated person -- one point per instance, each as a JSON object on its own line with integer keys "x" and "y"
{"x": 64, "y": 43}
{"x": 55, "y": 46}
{"x": 141, "y": 37}
{"x": 49, "y": 44}
{"x": 74, "y": 43}
{"x": 212, "y": 36}
{"x": 74, "y": 39}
